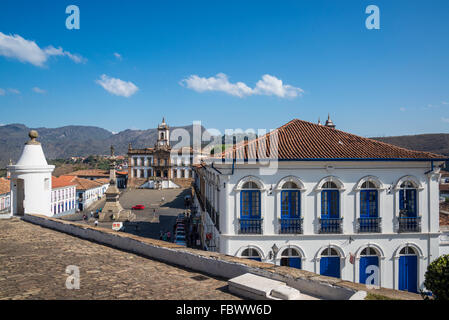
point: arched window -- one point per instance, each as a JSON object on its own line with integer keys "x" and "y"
{"x": 330, "y": 208}
{"x": 250, "y": 213}
{"x": 290, "y": 257}
{"x": 407, "y": 200}
{"x": 330, "y": 263}
{"x": 369, "y": 261}
{"x": 251, "y": 253}
{"x": 290, "y": 201}
{"x": 290, "y": 208}
{"x": 369, "y": 208}
{"x": 408, "y": 269}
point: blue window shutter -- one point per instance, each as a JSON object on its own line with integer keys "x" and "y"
{"x": 401, "y": 199}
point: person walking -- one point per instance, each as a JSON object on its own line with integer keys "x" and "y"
{"x": 164, "y": 237}
{"x": 160, "y": 235}
{"x": 96, "y": 223}
{"x": 168, "y": 236}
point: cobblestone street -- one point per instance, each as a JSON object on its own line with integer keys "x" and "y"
{"x": 33, "y": 261}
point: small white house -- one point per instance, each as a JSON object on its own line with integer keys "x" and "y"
{"x": 312, "y": 197}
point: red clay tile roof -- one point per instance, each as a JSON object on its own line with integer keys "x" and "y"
{"x": 103, "y": 180}
{"x": 5, "y": 186}
{"x": 84, "y": 184}
{"x": 62, "y": 181}
{"x": 300, "y": 139}
{"x": 90, "y": 173}
{"x": 444, "y": 219}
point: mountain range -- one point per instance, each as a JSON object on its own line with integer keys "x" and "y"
{"x": 71, "y": 141}
{"x": 68, "y": 141}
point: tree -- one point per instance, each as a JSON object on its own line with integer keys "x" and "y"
{"x": 437, "y": 278}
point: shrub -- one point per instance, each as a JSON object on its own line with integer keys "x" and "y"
{"x": 437, "y": 278}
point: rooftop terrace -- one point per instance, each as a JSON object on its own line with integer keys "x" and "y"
{"x": 33, "y": 261}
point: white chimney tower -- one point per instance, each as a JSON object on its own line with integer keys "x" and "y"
{"x": 31, "y": 180}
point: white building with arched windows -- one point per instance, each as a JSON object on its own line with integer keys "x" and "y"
{"x": 326, "y": 201}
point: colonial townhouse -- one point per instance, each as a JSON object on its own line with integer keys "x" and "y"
{"x": 63, "y": 195}
{"x": 312, "y": 197}
{"x": 88, "y": 191}
{"x": 5, "y": 196}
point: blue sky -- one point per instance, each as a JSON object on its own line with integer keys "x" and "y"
{"x": 391, "y": 81}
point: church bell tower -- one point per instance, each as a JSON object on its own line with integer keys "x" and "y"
{"x": 163, "y": 135}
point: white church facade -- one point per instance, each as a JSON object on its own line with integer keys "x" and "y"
{"x": 333, "y": 203}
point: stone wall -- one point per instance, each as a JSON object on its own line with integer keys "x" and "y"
{"x": 217, "y": 264}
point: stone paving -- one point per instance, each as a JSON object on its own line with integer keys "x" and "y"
{"x": 33, "y": 261}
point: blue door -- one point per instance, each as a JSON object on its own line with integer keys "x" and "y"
{"x": 408, "y": 273}
{"x": 294, "y": 262}
{"x": 330, "y": 266}
{"x": 364, "y": 263}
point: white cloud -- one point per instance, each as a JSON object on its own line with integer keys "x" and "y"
{"x": 27, "y": 51}
{"x": 268, "y": 85}
{"x": 52, "y": 51}
{"x": 402, "y": 109}
{"x": 39, "y": 90}
{"x": 444, "y": 102}
{"x": 118, "y": 56}
{"x": 14, "y": 91}
{"x": 445, "y": 120}
{"x": 2, "y": 92}
{"x": 117, "y": 86}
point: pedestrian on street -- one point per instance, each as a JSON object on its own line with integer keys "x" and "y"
{"x": 168, "y": 235}
{"x": 96, "y": 223}
{"x": 164, "y": 237}
{"x": 160, "y": 235}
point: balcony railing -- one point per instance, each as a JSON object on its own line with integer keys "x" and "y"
{"x": 409, "y": 224}
{"x": 250, "y": 226}
{"x": 369, "y": 225}
{"x": 330, "y": 225}
{"x": 290, "y": 225}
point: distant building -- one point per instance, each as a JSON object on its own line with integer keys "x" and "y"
{"x": 444, "y": 185}
{"x": 5, "y": 196}
{"x": 87, "y": 191}
{"x": 95, "y": 174}
{"x": 161, "y": 162}
{"x": 63, "y": 195}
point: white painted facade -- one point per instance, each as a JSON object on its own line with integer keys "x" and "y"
{"x": 5, "y": 202}
{"x": 143, "y": 166}
{"x": 63, "y": 200}
{"x": 87, "y": 197}
{"x": 222, "y": 188}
